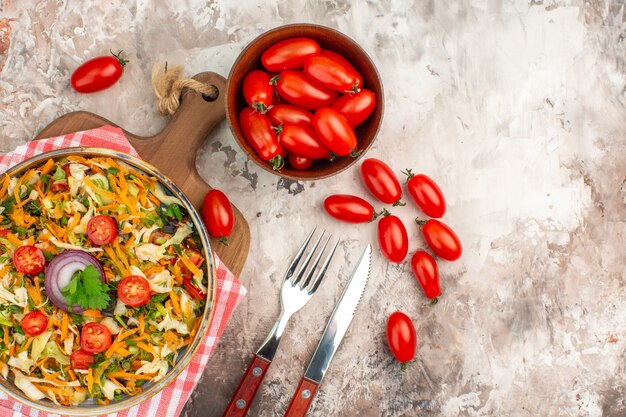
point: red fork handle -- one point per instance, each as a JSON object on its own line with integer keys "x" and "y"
{"x": 249, "y": 385}
{"x": 302, "y": 399}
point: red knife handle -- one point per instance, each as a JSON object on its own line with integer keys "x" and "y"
{"x": 302, "y": 399}
{"x": 249, "y": 385}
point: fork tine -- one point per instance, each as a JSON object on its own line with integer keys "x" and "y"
{"x": 307, "y": 280}
{"x": 296, "y": 259}
{"x": 320, "y": 274}
{"x": 305, "y": 263}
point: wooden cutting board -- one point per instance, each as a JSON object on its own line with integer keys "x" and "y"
{"x": 173, "y": 151}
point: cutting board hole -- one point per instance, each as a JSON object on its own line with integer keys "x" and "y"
{"x": 211, "y": 98}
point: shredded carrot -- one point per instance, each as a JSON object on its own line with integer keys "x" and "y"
{"x": 5, "y": 329}
{"x": 47, "y": 166}
{"x": 90, "y": 379}
{"x": 98, "y": 190}
{"x": 142, "y": 323}
{"x": 5, "y": 185}
{"x": 175, "y": 302}
{"x": 129, "y": 243}
{"x": 191, "y": 266}
{"x": 92, "y": 313}
{"x": 27, "y": 345}
{"x": 74, "y": 221}
{"x": 34, "y": 294}
{"x": 64, "y": 325}
{"x": 72, "y": 374}
{"x": 128, "y": 375}
{"x": 14, "y": 240}
{"x": 120, "y": 267}
{"x": 146, "y": 347}
{"x": 121, "y": 256}
{"x": 155, "y": 200}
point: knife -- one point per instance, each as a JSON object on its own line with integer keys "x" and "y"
{"x": 331, "y": 338}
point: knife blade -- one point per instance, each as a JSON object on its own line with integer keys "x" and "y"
{"x": 334, "y": 332}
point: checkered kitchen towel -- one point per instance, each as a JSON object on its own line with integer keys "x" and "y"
{"x": 230, "y": 292}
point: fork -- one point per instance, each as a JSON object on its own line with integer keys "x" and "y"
{"x": 297, "y": 289}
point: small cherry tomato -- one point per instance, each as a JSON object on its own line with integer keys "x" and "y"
{"x": 29, "y": 260}
{"x": 392, "y": 237}
{"x": 257, "y": 129}
{"x": 34, "y": 323}
{"x": 330, "y": 73}
{"x": 95, "y": 337}
{"x": 298, "y": 89}
{"x": 258, "y": 91}
{"x": 401, "y": 337}
{"x": 427, "y": 273}
{"x": 302, "y": 140}
{"x": 299, "y": 162}
{"x": 356, "y": 107}
{"x": 345, "y": 62}
{"x": 218, "y": 216}
{"x": 134, "y": 291}
{"x": 286, "y": 113}
{"x": 59, "y": 186}
{"x": 192, "y": 290}
{"x": 441, "y": 239}
{"x": 195, "y": 257}
{"x": 289, "y": 54}
{"x": 101, "y": 230}
{"x": 426, "y": 194}
{"x": 98, "y": 73}
{"x": 81, "y": 359}
{"x": 349, "y": 208}
{"x": 335, "y": 132}
{"x": 381, "y": 181}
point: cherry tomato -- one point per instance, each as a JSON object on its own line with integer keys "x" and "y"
{"x": 356, "y": 107}
{"x": 346, "y": 64}
{"x": 349, "y": 208}
{"x": 195, "y": 257}
{"x": 334, "y": 131}
{"x": 286, "y": 113}
{"x": 289, "y": 54}
{"x": 257, "y": 129}
{"x": 392, "y": 238}
{"x": 426, "y": 194}
{"x": 81, "y": 359}
{"x": 299, "y": 90}
{"x": 95, "y": 337}
{"x": 101, "y": 230}
{"x": 217, "y": 213}
{"x": 299, "y": 162}
{"x": 98, "y": 73}
{"x": 330, "y": 73}
{"x": 427, "y": 273}
{"x": 34, "y": 323}
{"x": 381, "y": 181}
{"x": 134, "y": 291}
{"x": 302, "y": 140}
{"x": 4, "y": 232}
{"x": 59, "y": 186}
{"x": 442, "y": 240}
{"x": 401, "y": 337}
{"x": 29, "y": 260}
{"x": 257, "y": 90}
{"x": 192, "y": 290}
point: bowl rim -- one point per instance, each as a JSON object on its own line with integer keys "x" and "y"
{"x": 207, "y": 315}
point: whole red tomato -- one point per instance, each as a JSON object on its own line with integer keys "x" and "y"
{"x": 286, "y": 113}
{"x": 426, "y": 194}
{"x": 302, "y": 140}
{"x": 346, "y": 64}
{"x": 218, "y": 216}
{"x": 98, "y": 73}
{"x": 392, "y": 237}
{"x": 349, "y": 208}
{"x": 289, "y": 54}
{"x": 257, "y": 129}
{"x": 401, "y": 337}
{"x": 441, "y": 239}
{"x": 356, "y": 107}
{"x": 381, "y": 181}
{"x": 330, "y": 73}
{"x": 427, "y": 273}
{"x": 257, "y": 90}
{"x": 335, "y": 132}
{"x": 298, "y": 89}
{"x": 299, "y": 162}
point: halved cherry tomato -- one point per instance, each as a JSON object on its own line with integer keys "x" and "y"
{"x": 392, "y": 237}
{"x": 218, "y": 216}
{"x": 426, "y": 194}
{"x": 345, "y": 62}
{"x": 34, "y": 323}
{"x": 101, "y": 230}
{"x": 4, "y": 232}
{"x": 95, "y": 337}
{"x": 356, "y": 107}
{"x": 302, "y": 140}
{"x": 401, "y": 337}
{"x": 349, "y": 208}
{"x": 289, "y": 54}
{"x": 59, "y": 186}
{"x": 299, "y": 162}
{"x": 192, "y": 290}
{"x": 81, "y": 359}
{"x": 134, "y": 291}
{"x": 427, "y": 273}
{"x": 29, "y": 260}
{"x": 98, "y": 73}
{"x": 286, "y": 113}
{"x": 330, "y": 73}
{"x": 335, "y": 132}
{"x": 442, "y": 239}
{"x": 257, "y": 129}
{"x": 298, "y": 89}
{"x": 257, "y": 90}
{"x": 381, "y": 181}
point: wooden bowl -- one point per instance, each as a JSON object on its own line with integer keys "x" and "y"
{"x": 250, "y": 59}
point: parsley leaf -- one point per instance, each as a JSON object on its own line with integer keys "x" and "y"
{"x": 86, "y": 290}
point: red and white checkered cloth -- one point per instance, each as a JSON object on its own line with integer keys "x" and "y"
{"x": 230, "y": 292}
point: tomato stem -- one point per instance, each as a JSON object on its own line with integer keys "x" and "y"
{"x": 278, "y": 129}
{"x": 277, "y": 162}
{"x": 399, "y": 203}
{"x": 121, "y": 60}
{"x": 375, "y": 215}
{"x": 404, "y": 366}
{"x": 355, "y": 153}
{"x": 259, "y": 106}
{"x": 384, "y": 213}
{"x": 434, "y": 301}
{"x": 420, "y": 222}
{"x": 408, "y": 173}
{"x": 223, "y": 240}
{"x": 274, "y": 80}
{"x": 332, "y": 156}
